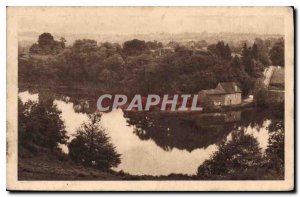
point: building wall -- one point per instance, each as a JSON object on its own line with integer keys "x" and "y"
{"x": 226, "y": 99}
{"x": 233, "y": 99}
{"x": 218, "y": 99}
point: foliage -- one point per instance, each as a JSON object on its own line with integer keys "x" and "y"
{"x": 91, "y": 146}
{"x": 154, "y": 45}
{"x": 275, "y": 150}
{"x": 134, "y": 47}
{"x": 221, "y": 50}
{"x": 260, "y": 94}
{"x": 40, "y": 124}
{"x": 277, "y": 53}
{"x": 144, "y": 67}
{"x": 239, "y": 156}
{"x": 47, "y": 45}
{"x": 251, "y": 62}
{"x": 207, "y": 103}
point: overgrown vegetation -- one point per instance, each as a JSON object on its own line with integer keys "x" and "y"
{"x": 241, "y": 158}
{"x": 41, "y": 130}
{"x": 148, "y": 67}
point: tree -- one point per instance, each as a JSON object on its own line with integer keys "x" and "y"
{"x": 41, "y": 124}
{"x": 63, "y": 42}
{"x": 240, "y": 157}
{"x": 207, "y": 103}
{"x": 260, "y": 94}
{"x": 108, "y": 77}
{"x": 85, "y": 46}
{"x": 246, "y": 57}
{"x": 115, "y": 63}
{"x": 35, "y": 49}
{"x": 45, "y": 40}
{"x": 275, "y": 149}
{"x": 241, "y": 76}
{"x": 254, "y": 52}
{"x": 154, "y": 45}
{"x": 92, "y": 147}
{"x": 263, "y": 51}
{"x": 221, "y": 50}
{"x": 47, "y": 45}
{"x": 277, "y": 53}
{"x": 134, "y": 47}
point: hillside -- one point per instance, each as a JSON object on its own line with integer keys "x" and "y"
{"x": 47, "y": 166}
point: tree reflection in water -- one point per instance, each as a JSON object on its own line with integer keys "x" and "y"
{"x": 194, "y": 131}
{"x": 241, "y": 157}
{"x": 191, "y": 131}
{"x": 237, "y": 158}
{"x": 183, "y": 132}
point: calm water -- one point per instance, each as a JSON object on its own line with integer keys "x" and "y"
{"x": 159, "y": 144}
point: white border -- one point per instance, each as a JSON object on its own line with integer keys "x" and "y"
{"x": 3, "y": 5}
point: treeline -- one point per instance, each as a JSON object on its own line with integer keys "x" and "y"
{"x": 149, "y": 67}
{"x": 41, "y": 129}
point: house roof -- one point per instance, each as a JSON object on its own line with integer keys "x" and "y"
{"x": 213, "y": 91}
{"x": 230, "y": 87}
{"x": 223, "y": 88}
{"x": 277, "y": 76}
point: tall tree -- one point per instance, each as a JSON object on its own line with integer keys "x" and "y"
{"x": 92, "y": 147}
{"x": 45, "y": 40}
{"x": 254, "y": 52}
{"x": 277, "y": 53}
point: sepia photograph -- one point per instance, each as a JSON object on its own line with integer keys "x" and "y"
{"x": 150, "y": 98}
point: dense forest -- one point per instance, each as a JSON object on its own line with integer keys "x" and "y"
{"x": 143, "y": 67}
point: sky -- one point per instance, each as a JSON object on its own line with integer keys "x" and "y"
{"x": 144, "y": 20}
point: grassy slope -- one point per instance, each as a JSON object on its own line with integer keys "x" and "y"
{"x": 46, "y": 166}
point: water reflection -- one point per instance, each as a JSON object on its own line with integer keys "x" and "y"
{"x": 193, "y": 131}
{"x": 183, "y": 132}
{"x": 161, "y": 144}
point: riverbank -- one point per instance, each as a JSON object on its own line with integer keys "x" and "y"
{"x": 48, "y": 167}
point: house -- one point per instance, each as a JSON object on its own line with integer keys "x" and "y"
{"x": 277, "y": 79}
{"x": 166, "y": 50}
{"x": 276, "y": 85}
{"x": 225, "y": 94}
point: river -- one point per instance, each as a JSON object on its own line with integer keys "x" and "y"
{"x": 158, "y": 144}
